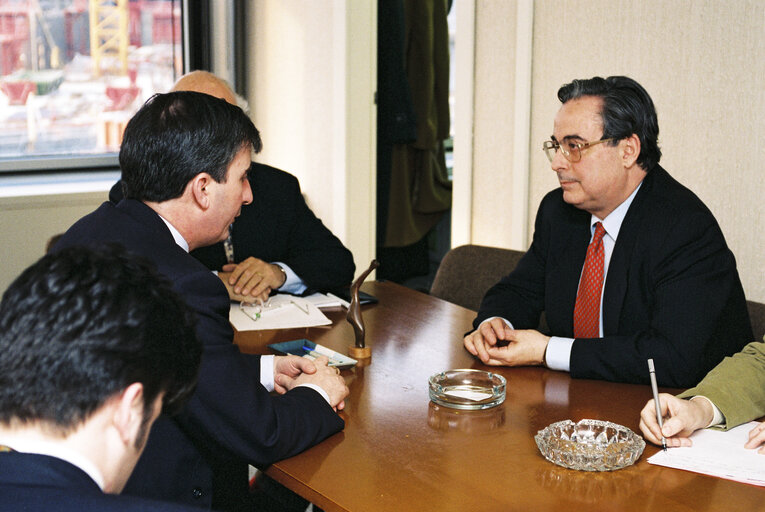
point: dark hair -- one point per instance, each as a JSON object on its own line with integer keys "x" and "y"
{"x": 627, "y": 109}
{"x": 176, "y": 136}
{"x": 81, "y": 325}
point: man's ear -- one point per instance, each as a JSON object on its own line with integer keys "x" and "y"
{"x": 630, "y": 150}
{"x": 128, "y": 412}
{"x": 200, "y": 192}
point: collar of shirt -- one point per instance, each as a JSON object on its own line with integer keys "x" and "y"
{"x": 58, "y": 451}
{"x": 176, "y": 234}
{"x": 613, "y": 222}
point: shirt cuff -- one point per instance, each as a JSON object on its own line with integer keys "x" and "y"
{"x": 293, "y": 283}
{"x": 318, "y": 389}
{"x": 717, "y": 418}
{"x": 558, "y": 354}
{"x": 267, "y": 372}
{"x": 492, "y": 318}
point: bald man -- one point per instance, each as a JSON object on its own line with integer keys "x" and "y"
{"x": 277, "y": 243}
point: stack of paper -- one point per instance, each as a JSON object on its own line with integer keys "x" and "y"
{"x": 282, "y": 312}
{"x": 718, "y": 453}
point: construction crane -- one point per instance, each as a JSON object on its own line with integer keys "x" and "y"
{"x": 109, "y": 35}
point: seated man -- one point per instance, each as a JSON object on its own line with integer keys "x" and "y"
{"x": 626, "y": 263}
{"x": 93, "y": 344}
{"x": 731, "y": 394}
{"x": 276, "y": 243}
{"x": 184, "y": 159}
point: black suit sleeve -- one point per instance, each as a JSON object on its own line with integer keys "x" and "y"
{"x": 232, "y": 406}
{"x": 519, "y": 297}
{"x": 313, "y": 252}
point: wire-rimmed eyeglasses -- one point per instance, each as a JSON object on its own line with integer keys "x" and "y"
{"x": 255, "y": 311}
{"x": 572, "y": 151}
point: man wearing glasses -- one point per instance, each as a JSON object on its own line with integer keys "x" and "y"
{"x": 626, "y": 263}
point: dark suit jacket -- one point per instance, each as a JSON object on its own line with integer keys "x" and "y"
{"x": 231, "y": 419}
{"x": 33, "y": 483}
{"x": 279, "y": 226}
{"x": 672, "y": 292}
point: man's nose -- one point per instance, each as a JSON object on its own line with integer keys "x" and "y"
{"x": 247, "y": 193}
{"x": 559, "y": 162}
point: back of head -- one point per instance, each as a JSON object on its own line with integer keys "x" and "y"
{"x": 627, "y": 109}
{"x": 81, "y": 325}
{"x": 176, "y": 136}
{"x": 208, "y": 83}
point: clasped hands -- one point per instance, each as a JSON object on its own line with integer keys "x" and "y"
{"x": 680, "y": 418}
{"x": 524, "y": 348}
{"x": 252, "y": 279}
{"x": 291, "y": 371}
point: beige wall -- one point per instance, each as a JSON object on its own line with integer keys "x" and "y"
{"x": 28, "y": 222}
{"x": 312, "y": 76}
{"x": 702, "y": 63}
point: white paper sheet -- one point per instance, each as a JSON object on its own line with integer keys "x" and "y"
{"x": 718, "y": 453}
{"x": 292, "y": 312}
{"x": 321, "y": 300}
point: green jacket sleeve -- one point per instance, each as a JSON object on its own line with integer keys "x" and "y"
{"x": 736, "y": 385}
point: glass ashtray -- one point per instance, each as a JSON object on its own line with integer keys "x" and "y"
{"x": 590, "y": 445}
{"x": 467, "y": 389}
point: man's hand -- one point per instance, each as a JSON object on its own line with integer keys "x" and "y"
{"x": 326, "y": 377}
{"x": 526, "y": 347}
{"x": 680, "y": 417}
{"x": 287, "y": 368}
{"x": 487, "y": 335}
{"x": 757, "y": 438}
{"x": 252, "y": 279}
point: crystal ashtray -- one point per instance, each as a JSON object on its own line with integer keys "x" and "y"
{"x": 590, "y": 445}
{"x": 467, "y": 389}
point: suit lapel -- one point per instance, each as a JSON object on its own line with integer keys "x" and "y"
{"x": 621, "y": 259}
{"x": 567, "y": 260}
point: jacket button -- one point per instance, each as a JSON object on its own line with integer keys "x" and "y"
{"x": 197, "y": 492}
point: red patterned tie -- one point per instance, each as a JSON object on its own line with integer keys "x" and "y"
{"x": 587, "y": 308}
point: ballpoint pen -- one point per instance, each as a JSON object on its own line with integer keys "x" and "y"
{"x": 655, "y": 390}
{"x": 314, "y": 353}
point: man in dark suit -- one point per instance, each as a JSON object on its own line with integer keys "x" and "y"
{"x": 93, "y": 344}
{"x": 626, "y": 263}
{"x": 276, "y": 243}
{"x": 184, "y": 159}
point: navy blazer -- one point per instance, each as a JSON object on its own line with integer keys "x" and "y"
{"x": 30, "y": 482}
{"x": 672, "y": 292}
{"x": 279, "y": 226}
{"x": 200, "y": 456}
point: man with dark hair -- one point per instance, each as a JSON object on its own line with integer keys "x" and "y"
{"x": 626, "y": 263}
{"x": 93, "y": 344}
{"x": 185, "y": 158}
{"x": 276, "y": 243}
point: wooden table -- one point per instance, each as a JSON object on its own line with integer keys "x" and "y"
{"x": 400, "y": 452}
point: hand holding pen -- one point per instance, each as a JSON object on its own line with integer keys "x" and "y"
{"x": 680, "y": 419}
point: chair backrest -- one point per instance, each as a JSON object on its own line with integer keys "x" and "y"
{"x": 468, "y": 271}
{"x": 757, "y": 317}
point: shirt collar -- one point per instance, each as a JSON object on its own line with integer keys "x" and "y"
{"x": 176, "y": 234}
{"x": 613, "y": 222}
{"x": 58, "y": 451}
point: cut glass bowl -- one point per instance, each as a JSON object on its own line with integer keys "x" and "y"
{"x": 590, "y": 445}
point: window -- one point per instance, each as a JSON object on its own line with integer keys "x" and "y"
{"x": 73, "y": 72}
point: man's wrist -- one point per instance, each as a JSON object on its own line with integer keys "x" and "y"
{"x": 710, "y": 414}
{"x": 283, "y": 274}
